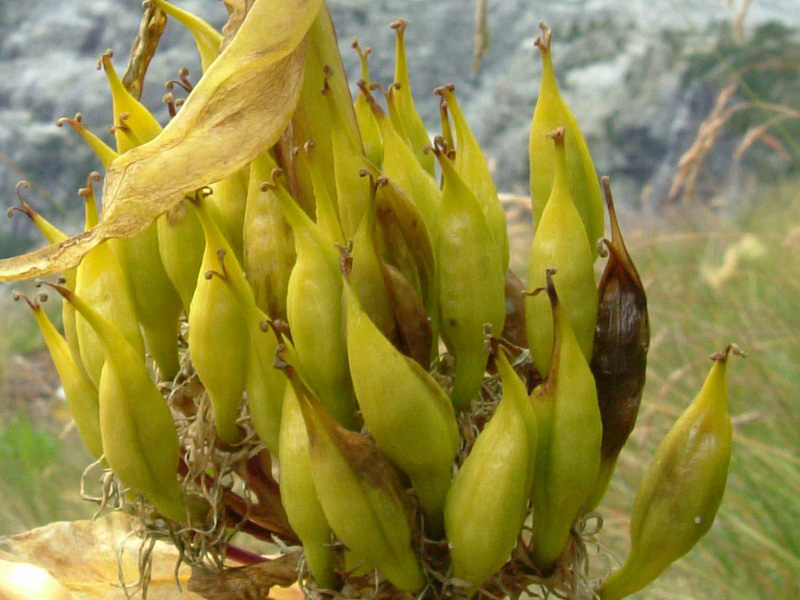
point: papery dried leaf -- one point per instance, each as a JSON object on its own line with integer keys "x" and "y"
{"x": 241, "y": 105}
{"x": 252, "y": 581}
{"x": 82, "y": 557}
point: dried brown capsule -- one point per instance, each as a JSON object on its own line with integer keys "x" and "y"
{"x": 622, "y": 338}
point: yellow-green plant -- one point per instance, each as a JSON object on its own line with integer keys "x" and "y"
{"x": 315, "y": 296}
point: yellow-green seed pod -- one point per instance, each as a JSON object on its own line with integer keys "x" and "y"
{"x": 471, "y": 165}
{"x": 101, "y": 282}
{"x": 406, "y": 117}
{"x": 367, "y": 125}
{"x": 560, "y": 243}
{"x": 157, "y": 303}
{"x": 269, "y": 253}
{"x": 551, "y": 112}
{"x": 468, "y": 260}
{"x": 327, "y": 215}
{"x": 401, "y": 166}
{"x": 181, "y": 238}
{"x": 353, "y": 191}
{"x": 81, "y": 395}
{"x": 228, "y": 202}
{"x": 682, "y": 489}
{"x": 218, "y": 331}
{"x": 570, "y": 432}
{"x": 103, "y": 151}
{"x": 366, "y": 276}
{"x": 181, "y": 243}
{"x": 488, "y": 500}
{"x": 360, "y": 492}
{"x": 53, "y": 235}
{"x": 133, "y": 123}
{"x": 406, "y": 245}
{"x": 299, "y": 496}
{"x": 323, "y": 69}
{"x": 405, "y": 238}
{"x": 206, "y": 38}
{"x": 314, "y": 310}
{"x": 407, "y": 412}
{"x": 138, "y": 434}
{"x": 263, "y": 383}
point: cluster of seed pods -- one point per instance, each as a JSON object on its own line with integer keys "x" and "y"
{"x": 349, "y": 311}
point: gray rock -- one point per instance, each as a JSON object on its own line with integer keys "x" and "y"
{"x": 622, "y": 68}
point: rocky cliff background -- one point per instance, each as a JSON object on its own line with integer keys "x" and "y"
{"x": 640, "y": 75}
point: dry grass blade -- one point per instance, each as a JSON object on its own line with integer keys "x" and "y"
{"x": 144, "y": 47}
{"x": 691, "y": 162}
{"x": 480, "y": 39}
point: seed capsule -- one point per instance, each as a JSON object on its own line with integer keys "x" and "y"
{"x": 551, "y": 112}
{"x": 401, "y": 166}
{"x": 157, "y": 303}
{"x": 102, "y": 150}
{"x": 488, "y": 500}
{"x": 269, "y": 253}
{"x": 53, "y": 235}
{"x": 264, "y": 384}
{"x": 323, "y": 68}
{"x": 406, "y": 117}
{"x": 367, "y": 124}
{"x": 218, "y": 331}
{"x": 180, "y": 244}
{"x": 366, "y": 276}
{"x": 560, "y": 243}
{"x": 682, "y": 489}
{"x": 299, "y": 496}
{"x": 570, "y": 432}
{"x": 138, "y": 434}
{"x": 469, "y": 260}
{"x": 353, "y": 192}
{"x": 314, "y": 310}
{"x": 621, "y": 341}
{"x": 101, "y": 282}
{"x": 360, "y": 491}
{"x": 81, "y": 395}
{"x": 408, "y": 414}
{"x": 471, "y": 165}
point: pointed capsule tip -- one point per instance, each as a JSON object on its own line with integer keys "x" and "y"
{"x": 65, "y": 293}
{"x": 23, "y": 207}
{"x": 88, "y": 190}
{"x": 17, "y": 296}
{"x": 730, "y": 349}
{"x": 104, "y": 62}
{"x": 443, "y": 90}
{"x": 399, "y": 26}
{"x": 543, "y": 41}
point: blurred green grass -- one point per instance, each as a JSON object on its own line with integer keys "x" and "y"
{"x": 41, "y": 455}
{"x": 753, "y": 550}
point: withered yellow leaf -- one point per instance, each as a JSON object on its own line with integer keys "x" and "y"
{"x": 239, "y": 107}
